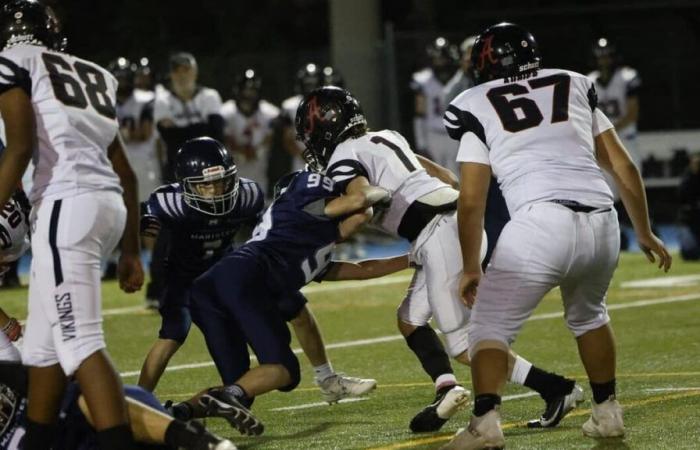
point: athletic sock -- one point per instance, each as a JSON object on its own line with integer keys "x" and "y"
{"x": 240, "y": 394}
{"x": 520, "y": 370}
{"x": 427, "y": 346}
{"x": 116, "y": 438}
{"x": 323, "y": 372}
{"x": 547, "y": 384}
{"x": 39, "y": 436}
{"x": 445, "y": 381}
{"x": 603, "y": 391}
{"x": 484, "y": 403}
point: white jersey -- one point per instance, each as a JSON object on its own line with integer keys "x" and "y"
{"x": 290, "y": 106}
{"x": 386, "y": 160}
{"x": 73, "y": 101}
{"x": 168, "y": 106}
{"x": 426, "y": 83}
{"x": 136, "y": 111}
{"x": 613, "y": 96}
{"x": 537, "y": 136}
{"x": 252, "y": 132}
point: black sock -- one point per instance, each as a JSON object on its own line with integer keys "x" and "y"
{"x": 181, "y": 434}
{"x": 428, "y": 347}
{"x": 116, "y": 438}
{"x": 603, "y": 391}
{"x": 484, "y": 403}
{"x": 547, "y": 384}
{"x": 183, "y": 411}
{"x": 39, "y": 436}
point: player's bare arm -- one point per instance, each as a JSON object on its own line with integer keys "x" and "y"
{"x": 18, "y": 115}
{"x": 475, "y": 179}
{"x": 631, "y": 115}
{"x": 614, "y": 158}
{"x": 441, "y": 173}
{"x": 130, "y": 269}
{"x": 357, "y": 202}
{"x": 364, "y": 270}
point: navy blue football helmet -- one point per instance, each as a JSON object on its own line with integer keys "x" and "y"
{"x": 124, "y": 71}
{"x": 30, "y": 22}
{"x": 247, "y": 91}
{"x": 333, "y": 77}
{"x": 504, "y": 50}
{"x": 308, "y": 78}
{"x": 208, "y": 176}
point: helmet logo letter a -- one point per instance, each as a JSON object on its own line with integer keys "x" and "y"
{"x": 486, "y": 52}
{"x": 314, "y": 113}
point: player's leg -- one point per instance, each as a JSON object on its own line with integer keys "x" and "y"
{"x": 334, "y": 386}
{"x": 175, "y": 326}
{"x": 413, "y": 321}
{"x": 522, "y": 270}
{"x": 587, "y": 318}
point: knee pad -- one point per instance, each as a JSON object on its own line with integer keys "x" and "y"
{"x": 292, "y": 366}
{"x": 176, "y": 324}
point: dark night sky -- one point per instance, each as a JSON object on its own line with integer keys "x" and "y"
{"x": 659, "y": 37}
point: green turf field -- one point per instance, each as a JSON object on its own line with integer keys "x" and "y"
{"x": 658, "y": 332}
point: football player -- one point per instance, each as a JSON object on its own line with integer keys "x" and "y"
{"x": 428, "y": 86}
{"x": 244, "y": 298}
{"x": 153, "y": 429}
{"x": 135, "y": 115}
{"x": 462, "y": 80}
{"x": 203, "y": 212}
{"x": 60, "y": 109}
{"x": 248, "y": 128}
{"x": 331, "y": 124}
{"x": 541, "y": 133}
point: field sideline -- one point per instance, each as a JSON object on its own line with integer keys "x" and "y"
{"x": 658, "y": 330}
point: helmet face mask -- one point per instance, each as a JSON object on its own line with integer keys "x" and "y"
{"x": 8, "y": 407}
{"x": 325, "y": 118}
{"x": 208, "y": 176}
{"x": 214, "y": 194}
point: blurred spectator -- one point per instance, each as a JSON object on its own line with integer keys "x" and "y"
{"x": 431, "y": 138}
{"x": 652, "y": 167}
{"x": 679, "y": 162}
{"x": 185, "y": 110}
{"x": 462, "y": 80}
{"x": 689, "y": 197}
{"x": 248, "y": 128}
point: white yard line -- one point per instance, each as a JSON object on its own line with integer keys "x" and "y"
{"x": 397, "y": 337}
{"x": 663, "y": 282}
{"x": 673, "y": 389}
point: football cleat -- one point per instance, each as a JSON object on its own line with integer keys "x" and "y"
{"x": 557, "y": 408}
{"x": 482, "y": 433}
{"x": 339, "y": 386}
{"x": 205, "y": 440}
{"x": 448, "y": 401}
{"x": 605, "y": 421}
{"x": 219, "y": 403}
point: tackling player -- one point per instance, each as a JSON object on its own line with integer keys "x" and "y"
{"x": 60, "y": 109}
{"x": 331, "y": 124}
{"x": 203, "y": 212}
{"x": 243, "y": 299}
{"x": 541, "y": 133}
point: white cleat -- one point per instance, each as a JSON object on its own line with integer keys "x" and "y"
{"x": 482, "y": 433}
{"x": 339, "y": 386}
{"x": 605, "y": 421}
{"x": 225, "y": 445}
{"x": 448, "y": 401}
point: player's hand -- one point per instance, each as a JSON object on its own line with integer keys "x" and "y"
{"x": 654, "y": 248}
{"x": 468, "y": 286}
{"x": 130, "y": 273}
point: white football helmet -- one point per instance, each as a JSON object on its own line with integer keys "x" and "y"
{"x": 14, "y": 232}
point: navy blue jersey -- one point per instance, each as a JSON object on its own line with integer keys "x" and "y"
{"x": 198, "y": 240}
{"x": 295, "y": 236}
{"x": 73, "y": 432}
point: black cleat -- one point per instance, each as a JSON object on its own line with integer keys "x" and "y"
{"x": 219, "y": 403}
{"x": 448, "y": 401}
{"x": 557, "y": 408}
